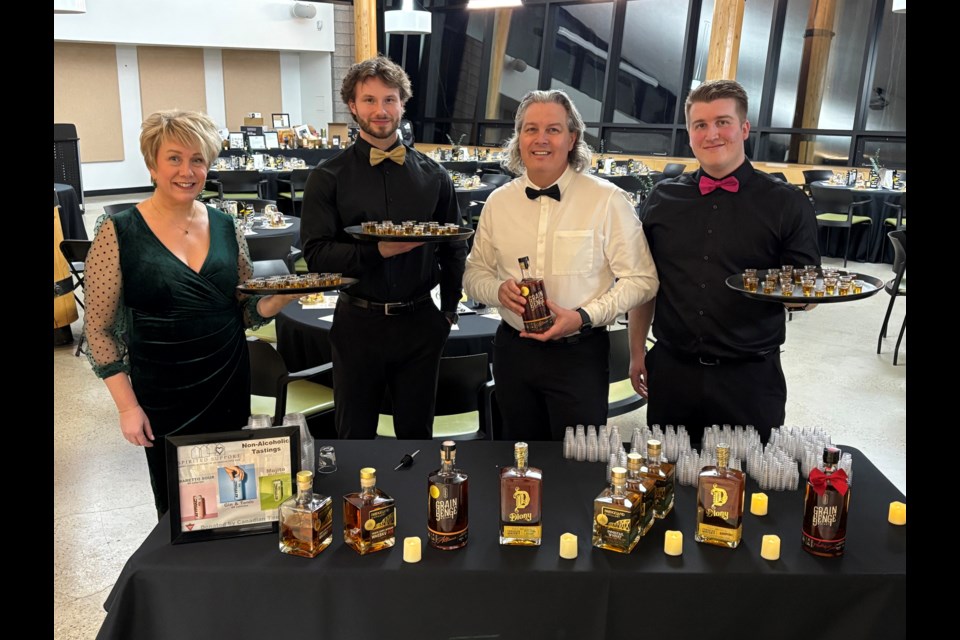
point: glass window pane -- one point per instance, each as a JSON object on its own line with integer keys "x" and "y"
{"x": 888, "y": 91}
{"x": 648, "y": 78}
{"x": 818, "y": 149}
{"x": 637, "y": 141}
{"x": 579, "y": 61}
{"x": 438, "y": 132}
{"x": 454, "y": 89}
{"x": 891, "y": 153}
{"x": 515, "y": 70}
{"x": 495, "y": 136}
{"x": 823, "y": 46}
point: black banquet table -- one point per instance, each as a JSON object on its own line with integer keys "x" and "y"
{"x": 246, "y": 588}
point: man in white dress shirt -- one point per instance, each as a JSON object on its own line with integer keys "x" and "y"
{"x": 584, "y": 239}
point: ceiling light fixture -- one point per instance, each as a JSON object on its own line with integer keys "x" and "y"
{"x": 493, "y": 4}
{"x": 407, "y": 21}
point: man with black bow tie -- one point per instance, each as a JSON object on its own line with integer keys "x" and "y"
{"x": 717, "y": 357}
{"x": 387, "y": 335}
{"x": 583, "y": 238}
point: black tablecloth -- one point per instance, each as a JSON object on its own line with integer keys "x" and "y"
{"x": 71, "y": 218}
{"x": 260, "y": 232}
{"x": 312, "y": 157}
{"x": 869, "y": 242}
{"x": 246, "y": 588}
{"x": 303, "y": 339}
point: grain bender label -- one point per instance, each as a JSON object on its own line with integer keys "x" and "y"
{"x": 444, "y": 506}
{"x": 381, "y": 523}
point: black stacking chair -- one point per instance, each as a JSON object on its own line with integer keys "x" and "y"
{"x": 898, "y": 204}
{"x": 292, "y": 188}
{"x": 271, "y": 254}
{"x": 276, "y": 391}
{"x": 622, "y": 398}
{"x": 835, "y": 208}
{"x": 779, "y": 175}
{"x": 495, "y": 179}
{"x": 111, "y": 209}
{"x": 896, "y": 287}
{"x": 238, "y": 185}
{"x": 468, "y": 167}
{"x": 75, "y": 252}
{"x": 814, "y": 175}
{"x": 673, "y": 169}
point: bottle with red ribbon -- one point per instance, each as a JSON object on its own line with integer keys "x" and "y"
{"x": 825, "y": 508}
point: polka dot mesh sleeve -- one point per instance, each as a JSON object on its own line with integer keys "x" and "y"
{"x": 104, "y": 314}
{"x": 251, "y": 317}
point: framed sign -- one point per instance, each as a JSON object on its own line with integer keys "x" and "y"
{"x": 236, "y": 140}
{"x": 302, "y": 130}
{"x": 281, "y": 120}
{"x": 228, "y": 484}
{"x": 257, "y": 143}
{"x": 336, "y": 142}
{"x": 273, "y": 139}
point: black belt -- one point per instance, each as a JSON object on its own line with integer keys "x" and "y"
{"x": 574, "y": 339}
{"x": 387, "y": 308}
{"x": 712, "y": 361}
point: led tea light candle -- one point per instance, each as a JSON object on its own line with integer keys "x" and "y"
{"x": 411, "y": 549}
{"x": 898, "y": 513}
{"x": 568, "y": 546}
{"x": 770, "y": 549}
{"x": 673, "y": 543}
{"x": 758, "y": 504}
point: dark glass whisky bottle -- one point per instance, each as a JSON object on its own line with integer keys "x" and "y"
{"x": 720, "y": 496}
{"x": 536, "y": 314}
{"x": 825, "y": 507}
{"x": 642, "y": 486}
{"x": 369, "y": 517}
{"x": 520, "y": 501}
{"x": 616, "y": 515}
{"x": 306, "y": 520}
{"x": 447, "y": 492}
{"x": 663, "y": 476}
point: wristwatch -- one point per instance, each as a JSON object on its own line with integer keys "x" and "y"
{"x": 452, "y": 316}
{"x": 585, "y": 318}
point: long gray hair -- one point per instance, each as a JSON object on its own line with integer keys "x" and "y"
{"x": 579, "y": 156}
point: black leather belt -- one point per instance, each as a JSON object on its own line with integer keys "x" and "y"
{"x": 387, "y": 308}
{"x": 574, "y": 339}
{"x": 712, "y": 361}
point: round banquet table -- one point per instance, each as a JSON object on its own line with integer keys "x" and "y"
{"x": 265, "y": 232}
{"x": 871, "y": 245}
{"x": 303, "y": 338}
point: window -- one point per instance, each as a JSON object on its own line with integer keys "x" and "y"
{"x": 579, "y": 61}
{"x": 887, "y": 110}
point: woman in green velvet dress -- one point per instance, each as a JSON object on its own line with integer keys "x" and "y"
{"x": 163, "y": 318}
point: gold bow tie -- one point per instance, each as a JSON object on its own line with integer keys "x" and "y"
{"x": 397, "y": 154}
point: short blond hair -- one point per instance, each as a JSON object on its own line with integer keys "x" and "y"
{"x": 189, "y": 128}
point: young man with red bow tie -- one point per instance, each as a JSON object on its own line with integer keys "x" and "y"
{"x": 717, "y": 357}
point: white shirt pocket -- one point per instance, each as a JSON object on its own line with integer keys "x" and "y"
{"x": 572, "y": 252}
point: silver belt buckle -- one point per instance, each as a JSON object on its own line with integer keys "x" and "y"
{"x": 389, "y": 305}
{"x": 714, "y": 363}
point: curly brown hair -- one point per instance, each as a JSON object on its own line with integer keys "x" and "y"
{"x": 388, "y": 71}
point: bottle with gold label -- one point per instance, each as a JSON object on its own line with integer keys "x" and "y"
{"x": 825, "y": 507}
{"x": 520, "y": 501}
{"x": 306, "y": 520}
{"x": 663, "y": 476}
{"x": 616, "y": 515}
{"x": 720, "y": 497}
{"x": 536, "y": 314}
{"x": 642, "y": 486}
{"x": 369, "y": 517}
{"x": 447, "y": 493}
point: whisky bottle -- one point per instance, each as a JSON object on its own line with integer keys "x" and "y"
{"x": 536, "y": 314}
{"x": 616, "y": 515}
{"x": 663, "y": 476}
{"x": 643, "y": 487}
{"x": 720, "y": 496}
{"x": 520, "y": 501}
{"x": 447, "y": 491}
{"x": 825, "y": 507}
{"x": 369, "y": 517}
{"x": 306, "y": 520}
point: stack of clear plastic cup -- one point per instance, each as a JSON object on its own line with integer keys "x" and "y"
{"x": 616, "y": 442}
{"x": 569, "y": 445}
{"x": 591, "y": 443}
{"x": 581, "y": 442}
{"x": 603, "y": 443}
{"x": 846, "y": 463}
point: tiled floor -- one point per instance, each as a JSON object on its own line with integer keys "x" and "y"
{"x": 104, "y": 506}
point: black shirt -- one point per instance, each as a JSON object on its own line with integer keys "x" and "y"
{"x": 346, "y": 190}
{"x": 697, "y": 241}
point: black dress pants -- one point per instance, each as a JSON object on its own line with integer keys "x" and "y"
{"x": 542, "y": 388}
{"x": 374, "y": 354}
{"x": 684, "y": 391}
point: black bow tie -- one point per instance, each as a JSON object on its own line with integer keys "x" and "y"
{"x": 550, "y": 192}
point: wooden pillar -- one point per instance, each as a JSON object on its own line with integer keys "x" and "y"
{"x": 724, "y": 51}
{"x": 501, "y": 32}
{"x": 817, "y": 40}
{"x": 364, "y": 29}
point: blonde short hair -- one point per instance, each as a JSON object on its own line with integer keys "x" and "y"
{"x": 190, "y": 128}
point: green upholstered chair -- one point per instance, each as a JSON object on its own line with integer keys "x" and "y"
{"x": 276, "y": 391}
{"x": 237, "y": 185}
{"x": 267, "y": 333}
{"x": 622, "y": 398}
{"x": 835, "y": 207}
{"x": 898, "y": 204}
{"x": 463, "y": 408}
{"x": 292, "y": 188}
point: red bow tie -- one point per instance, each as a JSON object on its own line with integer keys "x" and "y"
{"x": 708, "y": 184}
{"x": 838, "y": 480}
